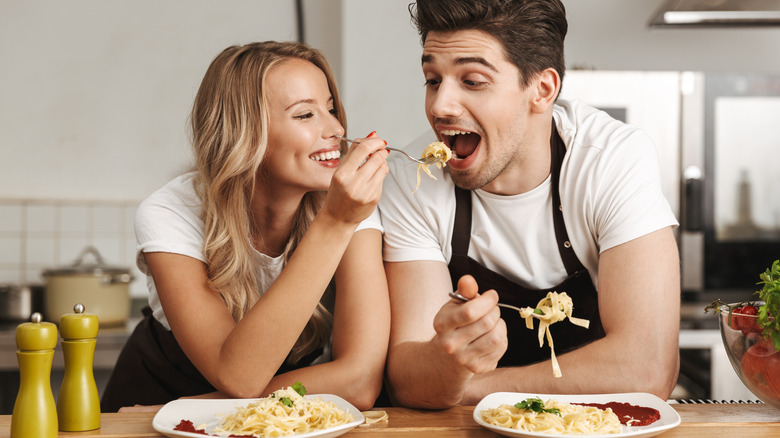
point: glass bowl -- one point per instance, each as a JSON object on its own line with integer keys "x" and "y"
{"x": 754, "y": 358}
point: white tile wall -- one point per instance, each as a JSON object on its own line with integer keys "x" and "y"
{"x": 37, "y": 235}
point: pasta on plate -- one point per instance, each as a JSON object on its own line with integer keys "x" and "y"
{"x": 284, "y": 412}
{"x": 569, "y": 420}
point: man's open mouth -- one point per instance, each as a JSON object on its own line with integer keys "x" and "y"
{"x": 462, "y": 143}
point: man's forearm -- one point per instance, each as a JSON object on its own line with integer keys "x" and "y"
{"x": 420, "y": 378}
{"x": 604, "y": 366}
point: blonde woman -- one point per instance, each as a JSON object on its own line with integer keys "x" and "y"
{"x": 263, "y": 264}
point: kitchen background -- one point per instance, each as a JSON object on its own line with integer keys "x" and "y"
{"x": 95, "y": 97}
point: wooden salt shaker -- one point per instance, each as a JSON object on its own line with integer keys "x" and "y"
{"x": 78, "y": 403}
{"x": 35, "y": 414}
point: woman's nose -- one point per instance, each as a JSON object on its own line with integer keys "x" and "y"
{"x": 334, "y": 128}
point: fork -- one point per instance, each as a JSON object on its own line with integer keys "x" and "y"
{"x": 429, "y": 160}
{"x": 458, "y": 296}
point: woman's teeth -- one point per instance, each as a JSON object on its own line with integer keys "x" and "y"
{"x": 326, "y": 156}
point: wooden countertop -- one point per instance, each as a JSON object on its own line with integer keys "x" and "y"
{"x": 698, "y": 420}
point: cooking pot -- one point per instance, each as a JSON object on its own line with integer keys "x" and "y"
{"x": 103, "y": 290}
{"x": 19, "y": 302}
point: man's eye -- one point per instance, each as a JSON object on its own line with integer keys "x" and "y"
{"x": 432, "y": 82}
{"x": 473, "y": 83}
{"x": 304, "y": 116}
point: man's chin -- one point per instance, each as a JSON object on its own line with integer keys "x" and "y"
{"x": 466, "y": 181}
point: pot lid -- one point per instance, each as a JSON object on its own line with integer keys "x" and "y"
{"x": 84, "y": 266}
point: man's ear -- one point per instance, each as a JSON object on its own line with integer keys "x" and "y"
{"x": 547, "y": 84}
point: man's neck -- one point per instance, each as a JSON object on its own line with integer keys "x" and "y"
{"x": 526, "y": 172}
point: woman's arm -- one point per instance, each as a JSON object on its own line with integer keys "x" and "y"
{"x": 240, "y": 359}
{"x": 361, "y": 329}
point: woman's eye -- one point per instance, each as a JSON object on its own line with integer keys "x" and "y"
{"x": 334, "y": 112}
{"x": 304, "y": 116}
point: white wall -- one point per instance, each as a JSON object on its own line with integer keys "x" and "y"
{"x": 95, "y": 94}
{"x": 613, "y": 35}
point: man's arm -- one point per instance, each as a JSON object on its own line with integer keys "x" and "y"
{"x": 639, "y": 302}
{"x": 436, "y": 345}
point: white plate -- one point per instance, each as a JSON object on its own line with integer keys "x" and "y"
{"x": 669, "y": 417}
{"x": 205, "y": 411}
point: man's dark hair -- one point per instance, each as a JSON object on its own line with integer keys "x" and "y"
{"x": 531, "y": 31}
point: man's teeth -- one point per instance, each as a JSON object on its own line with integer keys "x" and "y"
{"x": 326, "y": 156}
{"x": 453, "y": 132}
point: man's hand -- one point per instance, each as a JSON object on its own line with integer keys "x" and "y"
{"x": 472, "y": 333}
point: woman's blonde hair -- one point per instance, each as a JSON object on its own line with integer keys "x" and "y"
{"x": 229, "y": 124}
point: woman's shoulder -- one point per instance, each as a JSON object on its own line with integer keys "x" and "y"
{"x": 175, "y": 203}
{"x": 177, "y": 194}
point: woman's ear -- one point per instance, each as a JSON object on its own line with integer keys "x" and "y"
{"x": 547, "y": 85}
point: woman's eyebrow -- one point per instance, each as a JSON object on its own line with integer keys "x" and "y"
{"x": 299, "y": 102}
{"x": 330, "y": 100}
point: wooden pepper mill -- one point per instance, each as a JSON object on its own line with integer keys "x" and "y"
{"x": 35, "y": 414}
{"x": 78, "y": 403}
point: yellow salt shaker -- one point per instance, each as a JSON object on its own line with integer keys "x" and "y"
{"x": 35, "y": 414}
{"x": 78, "y": 403}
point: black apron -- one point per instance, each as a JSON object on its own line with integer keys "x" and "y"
{"x": 523, "y": 346}
{"x": 152, "y": 369}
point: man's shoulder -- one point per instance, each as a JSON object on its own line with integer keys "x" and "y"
{"x": 581, "y": 125}
{"x": 593, "y": 136}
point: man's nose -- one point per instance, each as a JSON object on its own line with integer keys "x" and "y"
{"x": 444, "y": 102}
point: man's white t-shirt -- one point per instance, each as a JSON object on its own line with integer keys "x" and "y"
{"x": 169, "y": 221}
{"x": 610, "y": 194}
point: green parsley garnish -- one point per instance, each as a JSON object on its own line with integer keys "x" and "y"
{"x": 286, "y": 401}
{"x": 297, "y": 387}
{"x": 769, "y": 313}
{"x": 536, "y": 404}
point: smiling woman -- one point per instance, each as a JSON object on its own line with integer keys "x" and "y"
{"x": 264, "y": 262}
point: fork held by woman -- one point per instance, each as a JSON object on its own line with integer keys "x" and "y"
{"x": 428, "y": 160}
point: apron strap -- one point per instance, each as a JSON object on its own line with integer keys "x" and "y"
{"x": 461, "y": 232}
{"x": 557, "y": 152}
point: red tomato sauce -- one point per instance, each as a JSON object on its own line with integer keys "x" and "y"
{"x": 628, "y": 414}
{"x": 187, "y": 426}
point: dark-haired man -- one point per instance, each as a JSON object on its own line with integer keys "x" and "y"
{"x": 542, "y": 195}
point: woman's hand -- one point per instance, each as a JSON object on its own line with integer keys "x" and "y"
{"x": 357, "y": 183}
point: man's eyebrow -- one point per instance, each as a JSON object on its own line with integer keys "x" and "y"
{"x": 464, "y": 60}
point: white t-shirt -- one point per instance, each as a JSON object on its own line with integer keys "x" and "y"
{"x": 610, "y": 192}
{"x": 169, "y": 221}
